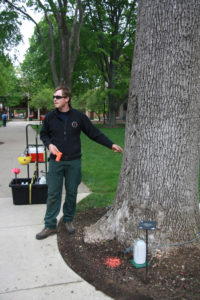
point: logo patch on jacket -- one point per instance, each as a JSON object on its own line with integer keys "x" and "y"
{"x": 74, "y": 124}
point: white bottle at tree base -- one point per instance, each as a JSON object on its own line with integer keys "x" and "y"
{"x": 139, "y": 252}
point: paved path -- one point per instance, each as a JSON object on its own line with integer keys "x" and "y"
{"x": 31, "y": 269}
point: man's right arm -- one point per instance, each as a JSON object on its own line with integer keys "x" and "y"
{"x": 44, "y": 136}
{"x": 44, "y": 133}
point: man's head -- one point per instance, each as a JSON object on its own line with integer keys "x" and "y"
{"x": 66, "y": 92}
{"x": 62, "y": 97}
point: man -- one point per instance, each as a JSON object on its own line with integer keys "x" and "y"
{"x": 61, "y": 132}
{"x": 4, "y": 119}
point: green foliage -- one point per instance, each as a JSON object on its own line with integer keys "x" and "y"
{"x": 105, "y": 56}
{"x": 36, "y": 71}
{"x": 9, "y": 83}
{"x": 86, "y": 74}
{"x": 101, "y": 168}
{"x": 79, "y": 102}
{"x": 111, "y": 27}
{"x": 63, "y": 19}
{"x": 4, "y": 75}
{"x": 10, "y": 35}
{"x": 43, "y": 99}
{"x": 96, "y": 100}
{"x": 36, "y": 67}
{"x": 93, "y": 101}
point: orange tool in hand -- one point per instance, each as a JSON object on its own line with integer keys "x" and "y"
{"x": 58, "y": 155}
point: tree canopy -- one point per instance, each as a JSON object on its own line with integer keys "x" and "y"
{"x": 43, "y": 99}
{"x": 104, "y": 58}
{"x": 57, "y": 15}
{"x": 111, "y": 24}
{"x": 106, "y": 42}
{"x": 10, "y": 35}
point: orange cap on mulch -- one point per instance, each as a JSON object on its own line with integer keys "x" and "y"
{"x": 113, "y": 262}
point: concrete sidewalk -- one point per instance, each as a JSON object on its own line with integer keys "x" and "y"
{"x": 31, "y": 269}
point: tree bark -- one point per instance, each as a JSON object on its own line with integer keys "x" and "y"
{"x": 159, "y": 174}
{"x": 111, "y": 110}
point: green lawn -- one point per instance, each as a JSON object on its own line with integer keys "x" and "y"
{"x": 101, "y": 168}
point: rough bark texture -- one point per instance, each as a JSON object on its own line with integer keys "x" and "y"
{"x": 159, "y": 175}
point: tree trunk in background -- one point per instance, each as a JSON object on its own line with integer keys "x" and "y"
{"x": 159, "y": 175}
{"x": 111, "y": 111}
{"x": 68, "y": 35}
{"x": 38, "y": 114}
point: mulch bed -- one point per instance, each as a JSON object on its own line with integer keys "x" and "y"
{"x": 169, "y": 277}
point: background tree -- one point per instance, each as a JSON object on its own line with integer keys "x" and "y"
{"x": 93, "y": 101}
{"x": 88, "y": 72}
{"x": 10, "y": 35}
{"x": 97, "y": 101}
{"x": 111, "y": 26}
{"x": 9, "y": 83}
{"x": 43, "y": 99}
{"x": 68, "y": 33}
{"x": 159, "y": 175}
{"x": 36, "y": 67}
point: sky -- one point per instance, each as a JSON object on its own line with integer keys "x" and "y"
{"x": 27, "y": 29}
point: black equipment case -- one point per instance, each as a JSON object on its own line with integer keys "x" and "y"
{"x": 28, "y": 190}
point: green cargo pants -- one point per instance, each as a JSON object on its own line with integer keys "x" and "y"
{"x": 71, "y": 172}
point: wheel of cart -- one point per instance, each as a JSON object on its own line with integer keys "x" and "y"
{"x": 31, "y": 190}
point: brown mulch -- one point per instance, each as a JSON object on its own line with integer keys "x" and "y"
{"x": 169, "y": 277}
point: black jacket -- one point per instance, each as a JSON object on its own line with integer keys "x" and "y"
{"x": 66, "y": 136}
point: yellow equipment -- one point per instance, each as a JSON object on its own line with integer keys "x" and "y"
{"x": 24, "y": 160}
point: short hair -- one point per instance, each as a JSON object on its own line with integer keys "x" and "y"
{"x": 66, "y": 92}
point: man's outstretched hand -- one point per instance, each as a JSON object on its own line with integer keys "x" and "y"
{"x": 117, "y": 148}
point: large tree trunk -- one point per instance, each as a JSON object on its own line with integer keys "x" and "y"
{"x": 159, "y": 175}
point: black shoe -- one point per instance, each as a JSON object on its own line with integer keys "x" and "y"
{"x": 45, "y": 233}
{"x": 69, "y": 227}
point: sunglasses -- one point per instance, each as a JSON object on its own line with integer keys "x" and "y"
{"x": 58, "y": 97}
